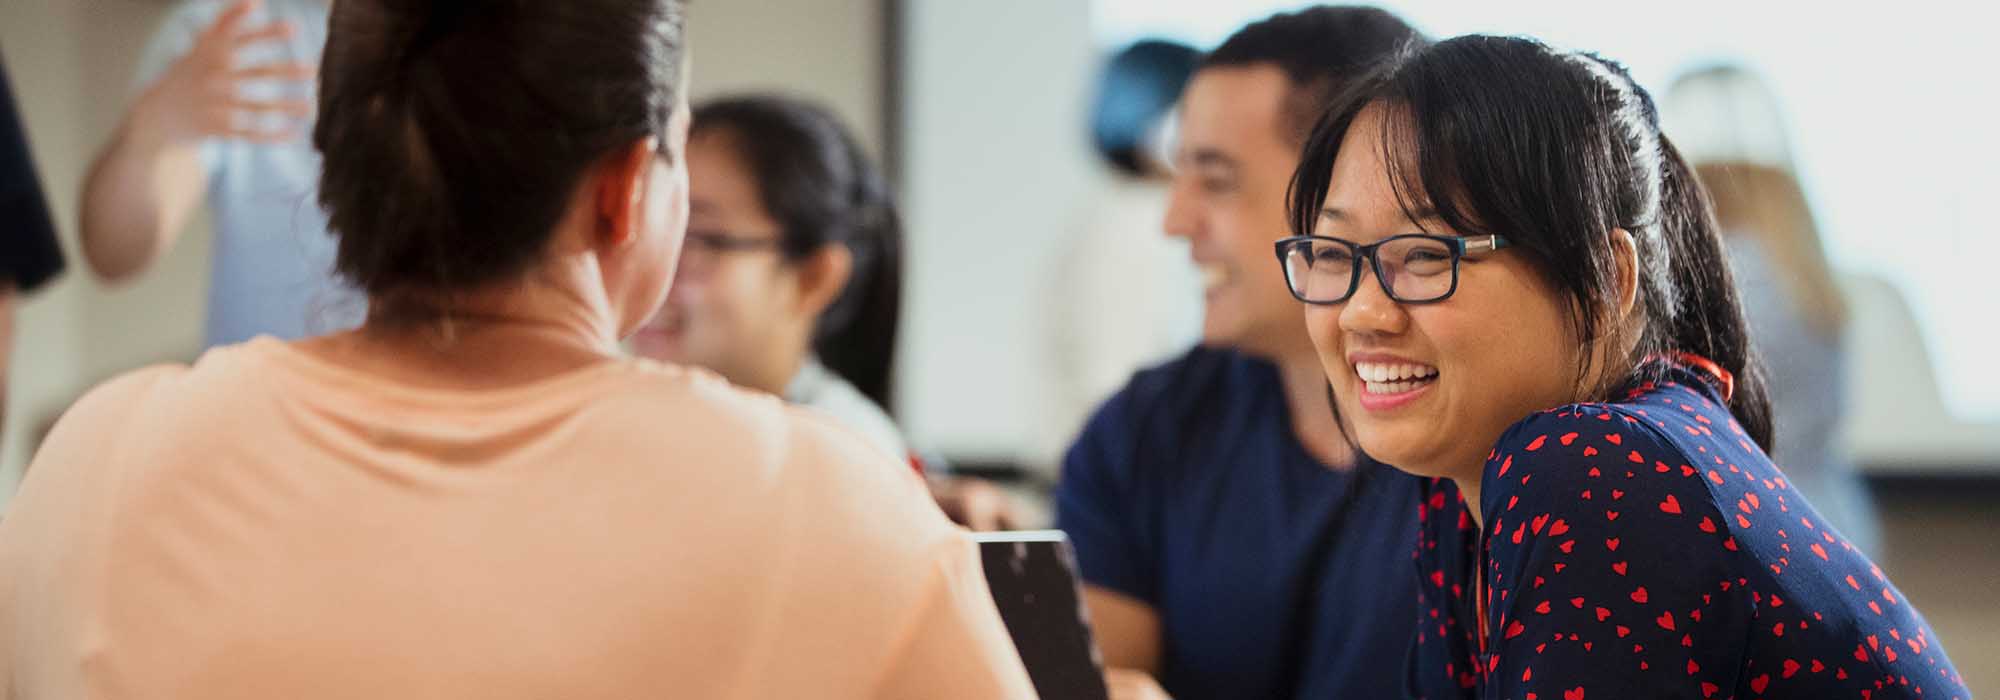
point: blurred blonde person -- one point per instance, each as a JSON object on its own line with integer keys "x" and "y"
{"x": 1736, "y": 137}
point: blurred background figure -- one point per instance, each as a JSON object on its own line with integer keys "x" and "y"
{"x": 1729, "y": 124}
{"x": 29, "y": 254}
{"x": 790, "y": 280}
{"x": 1125, "y": 295}
{"x": 225, "y": 102}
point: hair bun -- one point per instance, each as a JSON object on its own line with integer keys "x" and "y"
{"x": 451, "y": 131}
{"x": 427, "y": 22}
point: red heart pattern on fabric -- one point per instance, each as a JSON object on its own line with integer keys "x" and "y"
{"x": 1720, "y": 556}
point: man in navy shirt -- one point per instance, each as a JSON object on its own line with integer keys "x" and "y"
{"x": 1232, "y": 543}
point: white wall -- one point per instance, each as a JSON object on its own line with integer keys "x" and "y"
{"x": 827, "y": 50}
{"x": 71, "y": 61}
{"x": 994, "y": 163}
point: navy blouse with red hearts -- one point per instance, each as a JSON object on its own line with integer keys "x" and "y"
{"x": 1646, "y": 548}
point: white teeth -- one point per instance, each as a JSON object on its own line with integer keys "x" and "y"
{"x": 1390, "y": 387}
{"x": 1382, "y": 372}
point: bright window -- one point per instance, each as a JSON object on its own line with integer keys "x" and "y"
{"x": 1891, "y": 108}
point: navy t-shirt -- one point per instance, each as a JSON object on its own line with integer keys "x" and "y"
{"x": 28, "y": 252}
{"x": 1273, "y": 575}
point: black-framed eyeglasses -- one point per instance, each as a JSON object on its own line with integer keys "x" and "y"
{"x": 700, "y": 250}
{"x": 721, "y": 242}
{"x": 1413, "y": 268}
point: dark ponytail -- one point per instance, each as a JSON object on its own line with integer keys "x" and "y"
{"x": 1553, "y": 150}
{"x": 857, "y": 335}
{"x": 813, "y": 178}
{"x": 1708, "y": 314}
{"x": 453, "y": 134}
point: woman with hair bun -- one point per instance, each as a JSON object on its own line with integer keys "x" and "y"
{"x": 475, "y": 494}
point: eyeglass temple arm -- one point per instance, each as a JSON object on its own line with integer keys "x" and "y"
{"x": 1482, "y": 244}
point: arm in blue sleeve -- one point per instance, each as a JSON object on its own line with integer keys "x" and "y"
{"x": 1097, "y": 502}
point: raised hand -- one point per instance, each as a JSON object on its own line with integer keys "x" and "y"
{"x": 200, "y": 96}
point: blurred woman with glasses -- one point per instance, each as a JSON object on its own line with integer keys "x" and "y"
{"x": 791, "y": 278}
{"x": 1515, "y": 285}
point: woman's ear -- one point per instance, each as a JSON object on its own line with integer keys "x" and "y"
{"x": 1625, "y": 255}
{"x": 822, "y": 276}
{"x": 621, "y": 190}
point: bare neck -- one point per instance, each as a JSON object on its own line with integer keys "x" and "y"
{"x": 550, "y": 322}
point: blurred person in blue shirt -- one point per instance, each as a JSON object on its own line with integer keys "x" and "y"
{"x": 223, "y": 110}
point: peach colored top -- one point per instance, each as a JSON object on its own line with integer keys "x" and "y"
{"x": 265, "y": 524}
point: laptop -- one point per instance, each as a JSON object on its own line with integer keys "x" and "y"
{"x": 1032, "y": 574}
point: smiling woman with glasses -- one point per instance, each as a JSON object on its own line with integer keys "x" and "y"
{"x": 1563, "y": 350}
